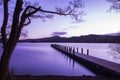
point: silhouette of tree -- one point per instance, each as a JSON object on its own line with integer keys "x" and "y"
{"x": 21, "y": 15}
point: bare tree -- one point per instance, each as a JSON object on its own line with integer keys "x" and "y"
{"x": 21, "y": 16}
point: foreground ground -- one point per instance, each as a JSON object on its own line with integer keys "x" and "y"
{"x": 60, "y": 78}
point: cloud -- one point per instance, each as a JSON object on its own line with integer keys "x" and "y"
{"x": 69, "y": 27}
{"x": 58, "y": 33}
{"x": 64, "y": 29}
{"x": 78, "y": 21}
{"x": 73, "y": 27}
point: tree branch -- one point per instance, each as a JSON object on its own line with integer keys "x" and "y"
{"x": 26, "y": 14}
{"x": 29, "y": 13}
{"x": 73, "y": 10}
{"x": 33, "y": 12}
{"x": 53, "y": 12}
{"x": 115, "y": 5}
{"x": 4, "y": 25}
{"x": 29, "y": 21}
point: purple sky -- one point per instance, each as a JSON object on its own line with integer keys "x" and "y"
{"x": 97, "y": 21}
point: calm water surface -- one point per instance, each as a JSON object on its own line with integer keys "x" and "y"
{"x": 41, "y": 59}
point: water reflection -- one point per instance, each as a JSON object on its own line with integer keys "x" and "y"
{"x": 70, "y": 61}
{"x": 73, "y": 64}
{"x": 114, "y": 51}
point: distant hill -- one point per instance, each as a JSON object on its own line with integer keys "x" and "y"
{"x": 113, "y": 34}
{"x": 79, "y": 39}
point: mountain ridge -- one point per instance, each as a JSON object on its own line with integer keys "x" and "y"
{"x": 92, "y": 38}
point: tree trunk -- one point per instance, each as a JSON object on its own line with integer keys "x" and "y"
{"x": 4, "y": 63}
{"x": 11, "y": 43}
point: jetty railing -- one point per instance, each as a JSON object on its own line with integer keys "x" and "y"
{"x": 69, "y": 49}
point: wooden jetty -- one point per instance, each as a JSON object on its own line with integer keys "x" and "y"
{"x": 99, "y": 66}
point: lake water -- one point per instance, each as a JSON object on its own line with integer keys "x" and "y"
{"x": 41, "y": 59}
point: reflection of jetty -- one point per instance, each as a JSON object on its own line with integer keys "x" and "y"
{"x": 99, "y": 66}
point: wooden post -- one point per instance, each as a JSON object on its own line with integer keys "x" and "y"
{"x": 82, "y": 50}
{"x": 67, "y": 48}
{"x": 73, "y": 50}
{"x": 70, "y": 49}
{"x": 87, "y": 51}
{"x": 77, "y": 50}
